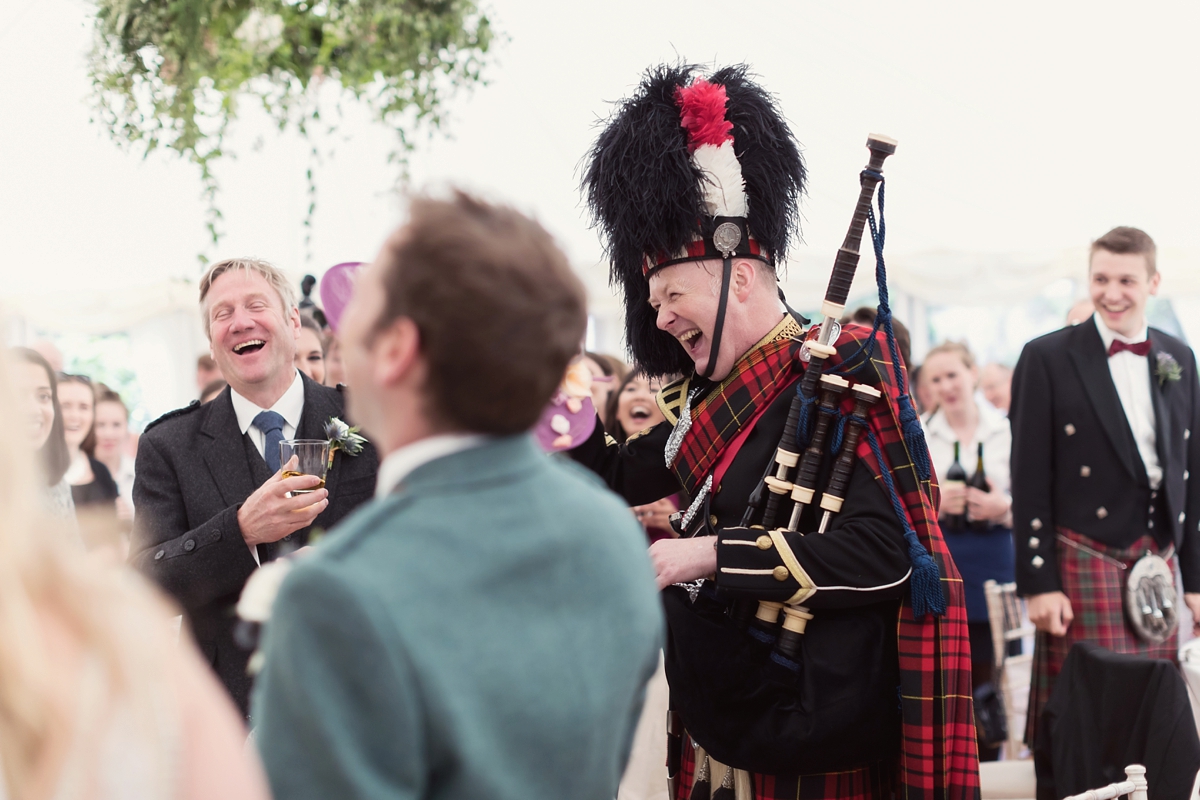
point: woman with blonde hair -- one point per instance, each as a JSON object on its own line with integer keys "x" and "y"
{"x": 976, "y": 523}
{"x": 97, "y": 700}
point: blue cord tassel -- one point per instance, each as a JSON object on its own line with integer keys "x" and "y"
{"x": 925, "y": 584}
{"x": 804, "y": 423}
{"x": 910, "y": 425}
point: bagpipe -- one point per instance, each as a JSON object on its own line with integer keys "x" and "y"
{"x": 817, "y": 429}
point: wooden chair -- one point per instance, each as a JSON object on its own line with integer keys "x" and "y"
{"x": 1009, "y": 623}
{"x": 1134, "y": 786}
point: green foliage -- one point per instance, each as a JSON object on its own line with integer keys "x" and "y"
{"x": 169, "y": 72}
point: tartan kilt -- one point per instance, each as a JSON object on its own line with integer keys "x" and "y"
{"x": 1096, "y": 590}
{"x": 867, "y": 783}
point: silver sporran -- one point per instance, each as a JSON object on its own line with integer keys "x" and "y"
{"x": 1150, "y": 599}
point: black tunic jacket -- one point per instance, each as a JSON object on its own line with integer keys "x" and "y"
{"x": 840, "y": 709}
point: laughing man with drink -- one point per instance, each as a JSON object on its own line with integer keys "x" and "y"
{"x": 211, "y": 497}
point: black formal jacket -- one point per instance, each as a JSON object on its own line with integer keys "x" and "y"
{"x": 840, "y": 710}
{"x": 195, "y": 468}
{"x": 1075, "y": 463}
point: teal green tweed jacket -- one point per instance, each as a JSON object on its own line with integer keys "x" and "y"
{"x": 485, "y": 632}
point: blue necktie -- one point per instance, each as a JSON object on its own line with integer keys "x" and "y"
{"x": 271, "y": 424}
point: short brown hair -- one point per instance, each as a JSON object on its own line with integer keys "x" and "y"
{"x": 500, "y": 312}
{"x": 269, "y": 272}
{"x": 1122, "y": 240}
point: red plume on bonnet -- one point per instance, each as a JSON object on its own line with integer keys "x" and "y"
{"x": 702, "y": 107}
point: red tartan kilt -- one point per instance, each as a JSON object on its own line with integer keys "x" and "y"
{"x": 1096, "y": 590}
{"x": 867, "y": 783}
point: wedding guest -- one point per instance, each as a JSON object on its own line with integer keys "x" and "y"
{"x": 995, "y": 381}
{"x": 97, "y": 699}
{"x": 310, "y": 349}
{"x": 91, "y": 482}
{"x": 976, "y": 524}
{"x": 108, "y": 444}
{"x": 633, "y": 409}
{"x": 37, "y": 390}
{"x": 335, "y": 372}
{"x": 1104, "y": 416}
{"x": 211, "y": 497}
{"x": 207, "y": 371}
{"x": 455, "y": 639}
{"x": 213, "y": 390}
{"x": 607, "y": 373}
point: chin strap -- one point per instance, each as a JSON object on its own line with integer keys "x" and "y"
{"x": 715, "y": 350}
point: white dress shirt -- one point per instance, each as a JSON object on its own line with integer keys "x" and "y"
{"x": 399, "y": 464}
{"x": 290, "y": 407}
{"x": 1131, "y": 375}
{"x": 992, "y": 430}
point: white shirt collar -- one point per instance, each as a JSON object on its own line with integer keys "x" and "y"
{"x": 290, "y": 406}
{"x": 990, "y": 421}
{"x": 1107, "y": 335}
{"x": 399, "y": 464}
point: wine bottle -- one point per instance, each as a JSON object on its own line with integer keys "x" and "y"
{"x": 979, "y": 481}
{"x": 955, "y": 476}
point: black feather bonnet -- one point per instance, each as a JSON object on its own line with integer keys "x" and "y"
{"x": 680, "y": 157}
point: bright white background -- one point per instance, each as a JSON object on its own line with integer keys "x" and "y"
{"x": 1026, "y": 130}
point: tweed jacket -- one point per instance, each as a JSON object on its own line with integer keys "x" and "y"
{"x": 194, "y": 470}
{"x": 1075, "y": 463}
{"x": 486, "y": 630}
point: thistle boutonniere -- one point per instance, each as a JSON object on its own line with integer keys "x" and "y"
{"x": 343, "y": 437}
{"x": 1166, "y": 368}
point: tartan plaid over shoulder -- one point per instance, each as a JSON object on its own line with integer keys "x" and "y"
{"x": 938, "y": 756}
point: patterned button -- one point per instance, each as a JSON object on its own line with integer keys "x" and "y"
{"x": 1101, "y": 512}
{"x": 712, "y": 519}
{"x": 1034, "y": 541}
{"x": 1085, "y": 472}
{"x": 1070, "y": 429}
{"x": 1036, "y": 524}
{"x": 158, "y": 556}
{"x": 189, "y": 545}
{"x": 780, "y": 573}
{"x": 763, "y": 542}
{"x": 1037, "y": 562}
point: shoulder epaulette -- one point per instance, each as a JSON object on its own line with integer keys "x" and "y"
{"x": 670, "y": 398}
{"x": 179, "y": 412}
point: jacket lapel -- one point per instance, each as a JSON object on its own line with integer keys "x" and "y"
{"x": 1163, "y": 432}
{"x": 225, "y": 452}
{"x": 1091, "y": 362}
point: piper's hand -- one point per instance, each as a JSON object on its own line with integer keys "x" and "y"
{"x": 657, "y": 514}
{"x": 683, "y": 560}
{"x": 954, "y": 499}
{"x": 269, "y": 514}
{"x": 1051, "y": 612}
{"x": 1193, "y": 603}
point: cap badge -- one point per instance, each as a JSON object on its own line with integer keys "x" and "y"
{"x": 727, "y": 237}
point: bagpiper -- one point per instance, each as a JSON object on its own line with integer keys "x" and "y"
{"x": 801, "y": 664}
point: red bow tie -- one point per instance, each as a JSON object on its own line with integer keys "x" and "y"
{"x": 1137, "y": 348}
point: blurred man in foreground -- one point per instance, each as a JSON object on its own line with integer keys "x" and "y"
{"x": 485, "y": 628}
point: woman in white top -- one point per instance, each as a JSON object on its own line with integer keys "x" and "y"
{"x": 97, "y": 700}
{"x": 981, "y": 553}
